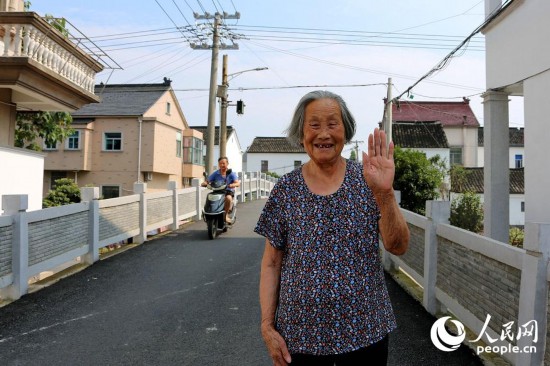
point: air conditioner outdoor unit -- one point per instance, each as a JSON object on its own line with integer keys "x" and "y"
{"x": 148, "y": 176}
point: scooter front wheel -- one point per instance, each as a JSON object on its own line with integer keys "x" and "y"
{"x": 212, "y": 228}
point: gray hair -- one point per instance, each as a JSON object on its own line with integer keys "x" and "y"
{"x": 295, "y": 131}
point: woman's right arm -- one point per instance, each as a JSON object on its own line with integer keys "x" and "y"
{"x": 270, "y": 278}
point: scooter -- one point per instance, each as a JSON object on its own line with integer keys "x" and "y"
{"x": 213, "y": 212}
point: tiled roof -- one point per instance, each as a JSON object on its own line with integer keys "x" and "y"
{"x": 123, "y": 100}
{"x": 474, "y": 181}
{"x": 273, "y": 145}
{"x": 448, "y": 113}
{"x": 516, "y": 137}
{"x": 419, "y": 135}
{"x": 204, "y": 130}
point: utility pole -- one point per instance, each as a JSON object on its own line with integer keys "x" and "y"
{"x": 211, "y": 126}
{"x": 388, "y": 114}
{"x": 357, "y": 142}
{"x": 222, "y": 93}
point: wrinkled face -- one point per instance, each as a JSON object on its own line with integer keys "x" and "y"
{"x": 222, "y": 164}
{"x": 324, "y": 133}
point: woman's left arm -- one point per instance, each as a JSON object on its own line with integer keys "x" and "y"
{"x": 393, "y": 226}
{"x": 379, "y": 172}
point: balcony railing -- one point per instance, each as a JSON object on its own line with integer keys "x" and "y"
{"x": 26, "y": 35}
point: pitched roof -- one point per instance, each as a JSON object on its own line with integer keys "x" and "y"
{"x": 204, "y": 130}
{"x": 123, "y": 99}
{"x": 448, "y": 113}
{"x": 474, "y": 181}
{"x": 516, "y": 137}
{"x": 273, "y": 145}
{"x": 418, "y": 135}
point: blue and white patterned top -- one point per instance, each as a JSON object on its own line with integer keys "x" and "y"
{"x": 333, "y": 297}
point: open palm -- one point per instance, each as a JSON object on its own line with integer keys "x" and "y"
{"x": 378, "y": 164}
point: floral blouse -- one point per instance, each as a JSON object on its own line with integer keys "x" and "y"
{"x": 333, "y": 297}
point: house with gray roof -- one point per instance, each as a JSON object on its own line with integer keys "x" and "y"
{"x": 516, "y": 156}
{"x": 428, "y": 137}
{"x": 274, "y": 154}
{"x": 474, "y": 182}
{"x": 136, "y": 133}
{"x": 457, "y": 120}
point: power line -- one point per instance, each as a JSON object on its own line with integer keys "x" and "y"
{"x": 443, "y": 63}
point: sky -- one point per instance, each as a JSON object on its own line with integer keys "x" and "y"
{"x": 349, "y": 47}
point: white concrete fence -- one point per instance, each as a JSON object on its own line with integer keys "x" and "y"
{"x": 470, "y": 277}
{"x": 465, "y": 275}
{"x": 38, "y": 241}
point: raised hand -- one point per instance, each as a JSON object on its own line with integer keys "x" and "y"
{"x": 378, "y": 165}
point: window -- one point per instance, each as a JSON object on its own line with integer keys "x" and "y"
{"x": 112, "y": 141}
{"x": 265, "y": 166}
{"x": 455, "y": 155}
{"x": 519, "y": 161}
{"x": 297, "y": 164}
{"x": 55, "y": 175}
{"x": 178, "y": 144}
{"x": 110, "y": 192}
{"x": 48, "y": 146}
{"x": 73, "y": 141}
{"x": 193, "y": 151}
{"x": 168, "y": 108}
{"x": 522, "y": 206}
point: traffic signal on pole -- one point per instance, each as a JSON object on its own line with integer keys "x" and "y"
{"x": 240, "y": 107}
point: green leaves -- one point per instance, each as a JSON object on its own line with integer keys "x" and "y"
{"x": 52, "y": 127}
{"x": 417, "y": 178}
{"x": 66, "y": 191}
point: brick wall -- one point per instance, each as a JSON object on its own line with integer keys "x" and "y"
{"x": 5, "y": 250}
{"x": 478, "y": 283}
{"x": 186, "y": 203}
{"x": 118, "y": 220}
{"x": 159, "y": 209}
{"x": 53, "y": 237}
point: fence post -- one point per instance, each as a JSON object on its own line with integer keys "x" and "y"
{"x": 91, "y": 195}
{"x": 242, "y": 177}
{"x": 16, "y": 205}
{"x": 533, "y": 293}
{"x": 250, "y": 185}
{"x": 258, "y": 185}
{"x": 195, "y": 182}
{"x": 172, "y": 186}
{"x": 141, "y": 189}
{"x": 437, "y": 212}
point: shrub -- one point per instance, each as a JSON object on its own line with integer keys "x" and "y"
{"x": 467, "y": 212}
{"x": 65, "y": 192}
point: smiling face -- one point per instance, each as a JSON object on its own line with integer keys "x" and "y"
{"x": 324, "y": 133}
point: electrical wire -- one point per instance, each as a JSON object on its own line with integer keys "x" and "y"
{"x": 443, "y": 63}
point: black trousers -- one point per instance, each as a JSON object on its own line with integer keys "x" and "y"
{"x": 373, "y": 355}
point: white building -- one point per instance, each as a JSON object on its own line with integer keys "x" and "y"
{"x": 275, "y": 155}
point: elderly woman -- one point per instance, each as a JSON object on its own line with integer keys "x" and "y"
{"x": 323, "y": 296}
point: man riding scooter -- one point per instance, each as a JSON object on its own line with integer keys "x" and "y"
{"x": 232, "y": 182}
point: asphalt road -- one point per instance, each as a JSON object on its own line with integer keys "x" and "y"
{"x": 179, "y": 299}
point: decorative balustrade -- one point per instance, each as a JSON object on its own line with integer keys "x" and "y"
{"x": 43, "y": 44}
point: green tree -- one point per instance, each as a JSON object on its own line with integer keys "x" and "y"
{"x": 53, "y": 127}
{"x": 417, "y": 178}
{"x": 65, "y": 192}
{"x": 352, "y": 156}
{"x": 467, "y": 212}
{"x": 516, "y": 237}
